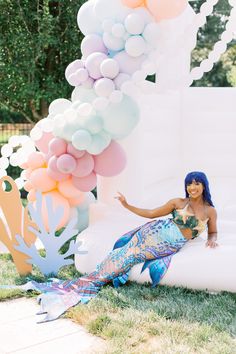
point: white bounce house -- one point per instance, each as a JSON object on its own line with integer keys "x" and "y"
{"x": 194, "y": 129}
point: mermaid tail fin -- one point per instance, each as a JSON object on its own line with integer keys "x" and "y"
{"x": 157, "y": 268}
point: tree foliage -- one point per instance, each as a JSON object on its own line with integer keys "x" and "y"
{"x": 39, "y": 38}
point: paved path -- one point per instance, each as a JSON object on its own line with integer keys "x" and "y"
{"x": 20, "y": 334}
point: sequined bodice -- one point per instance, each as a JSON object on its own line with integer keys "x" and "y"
{"x": 186, "y": 220}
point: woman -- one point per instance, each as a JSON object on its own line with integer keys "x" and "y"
{"x": 153, "y": 243}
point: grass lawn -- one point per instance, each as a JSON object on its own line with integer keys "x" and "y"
{"x": 139, "y": 319}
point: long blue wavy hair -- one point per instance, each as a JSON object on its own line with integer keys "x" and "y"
{"x": 202, "y": 178}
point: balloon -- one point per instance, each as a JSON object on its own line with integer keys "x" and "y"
{"x": 85, "y": 109}
{"x": 104, "y": 87}
{"x": 128, "y": 64}
{"x": 120, "y": 118}
{"x": 57, "y": 146}
{"x": 109, "y": 68}
{"x": 81, "y": 139}
{"x": 28, "y": 172}
{"x": 116, "y": 96}
{"x": 68, "y": 190}
{"x": 133, "y": 3}
{"x": 112, "y": 42}
{"x": 166, "y": 9}
{"x": 31, "y": 196}
{"x": 111, "y": 161}
{"x": 72, "y": 70}
{"x": 92, "y": 43}
{"x": 6, "y": 150}
{"x": 74, "y": 152}
{"x": 104, "y": 9}
{"x": 66, "y": 163}
{"x": 120, "y": 79}
{"x": 43, "y": 142}
{"x": 57, "y": 201}
{"x": 85, "y": 184}
{"x": 58, "y": 106}
{"x": 4, "y": 163}
{"x": 100, "y": 103}
{"x": 135, "y": 46}
{"x": 118, "y": 30}
{"x": 28, "y": 186}
{"x": 134, "y": 24}
{"x": 53, "y": 172}
{"x": 35, "y": 160}
{"x": 76, "y": 201}
{"x": 93, "y": 63}
{"x": 83, "y": 94}
{"x": 88, "y": 83}
{"x": 93, "y": 124}
{"x": 87, "y": 20}
{"x": 84, "y": 166}
{"x": 99, "y": 143}
{"x": 41, "y": 181}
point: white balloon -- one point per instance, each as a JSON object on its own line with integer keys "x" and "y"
{"x": 110, "y": 9}
{"x": 109, "y": 68}
{"x": 58, "y": 106}
{"x": 196, "y": 73}
{"x": 134, "y": 23}
{"x": 4, "y": 163}
{"x": 120, "y": 79}
{"x": 14, "y": 141}
{"x": 113, "y": 43}
{"x": 48, "y": 125}
{"x": 6, "y": 150}
{"x": 100, "y": 103}
{"x": 116, "y": 96}
{"x": 19, "y": 182}
{"x": 144, "y": 14}
{"x": 128, "y": 64}
{"x": 88, "y": 83}
{"x": 87, "y": 20}
{"x": 220, "y": 47}
{"x": 152, "y": 34}
{"x": 135, "y": 46}
{"x": 149, "y": 67}
{"x": 118, "y": 30}
{"x": 138, "y": 76}
{"x": 206, "y": 65}
{"x": 85, "y": 109}
{"x": 14, "y": 159}
{"x": 104, "y": 87}
{"x": 107, "y": 25}
{"x": 36, "y": 133}
{"x": 3, "y": 173}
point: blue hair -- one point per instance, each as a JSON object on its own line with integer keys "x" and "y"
{"x": 202, "y": 178}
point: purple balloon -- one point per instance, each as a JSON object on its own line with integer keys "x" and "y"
{"x": 92, "y": 43}
{"x": 71, "y": 69}
{"x": 128, "y": 64}
{"x": 93, "y": 63}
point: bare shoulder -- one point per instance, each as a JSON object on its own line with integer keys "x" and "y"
{"x": 211, "y": 211}
{"x": 178, "y": 202}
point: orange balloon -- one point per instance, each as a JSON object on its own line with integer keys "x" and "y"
{"x": 57, "y": 200}
{"x": 166, "y": 9}
{"x": 133, "y": 3}
{"x": 68, "y": 190}
{"x": 41, "y": 181}
{"x": 77, "y": 201}
{"x": 31, "y": 195}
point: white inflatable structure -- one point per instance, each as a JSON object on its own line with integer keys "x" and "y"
{"x": 179, "y": 132}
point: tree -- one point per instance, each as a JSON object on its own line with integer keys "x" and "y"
{"x": 39, "y": 38}
{"x": 223, "y": 72}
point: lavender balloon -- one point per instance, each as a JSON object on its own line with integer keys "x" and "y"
{"x": 92, "y": 43}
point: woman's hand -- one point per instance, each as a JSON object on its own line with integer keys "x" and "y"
{"x": 121, "y": 199}
{"x": 211, "y": 244}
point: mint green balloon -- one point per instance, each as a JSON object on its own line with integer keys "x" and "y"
{"x": 81, "y": 139}
{"x": 121, "y": 118}
{"x": 99, "y": 143}
{"x": 83, "y": 94}
{"x": 94, "y": 124}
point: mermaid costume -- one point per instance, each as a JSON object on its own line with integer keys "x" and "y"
{"x": 153, "y": 244}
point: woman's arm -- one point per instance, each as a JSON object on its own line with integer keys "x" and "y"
{"x": 148, "y": 213}
{"x": 212, "y": 229}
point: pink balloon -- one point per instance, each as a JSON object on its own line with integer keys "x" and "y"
{"x": 28, "y": 172}
{"x": 28, "y": 186}
{"x": 74, "y": 152}
{"x": 84, "y": 166}
{"x": 111, "y": 161}
{"x": 68, "y": 190}
{"x": 53, "y": 171}
{"x": 57, "y": 201}
{"x": 85, "y": 184}
{"x": 66, "y": 163}
{"x": 166, "y": 9}
{"x": 31, "y": 197}
{"x": 35, "y": 160}
{"x": 43, "y": 142}
{"x": 41, "y": 181}
{"x": 57, "y": 146}
{"x": 133, "y": 3}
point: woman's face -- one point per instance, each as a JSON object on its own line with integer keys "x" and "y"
{"x": 195, "y": 189}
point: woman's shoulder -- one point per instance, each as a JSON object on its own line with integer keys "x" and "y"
{"x": 179, "y": 203}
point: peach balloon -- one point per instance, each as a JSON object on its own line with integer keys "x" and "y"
{"x": 41, "y": 181}
{"x": 67, "y": 189}
{"x": 133, "y": 3}
{"x": 31, "y": 195}
{"x": 57, "y": 201}
{"x": 28, "y": 172}
{"x": 36, "y": 159}
{"x": 166, "y": 9}
{"x": 77, "y": 201}
{"x": 28, "y": 186}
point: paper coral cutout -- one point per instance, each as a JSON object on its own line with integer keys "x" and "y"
{"x": 14, "y": 219}
{"x": 53, "y": 261}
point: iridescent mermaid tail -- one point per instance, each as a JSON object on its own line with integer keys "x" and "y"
{"x": 153, "y": 243}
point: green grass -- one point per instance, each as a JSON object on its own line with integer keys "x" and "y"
{"x": 139, "y": 319}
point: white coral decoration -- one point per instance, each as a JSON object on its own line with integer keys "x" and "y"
{"x": 53, "y": 261}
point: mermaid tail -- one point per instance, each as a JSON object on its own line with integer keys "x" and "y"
{"x": 153, "y": 243}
